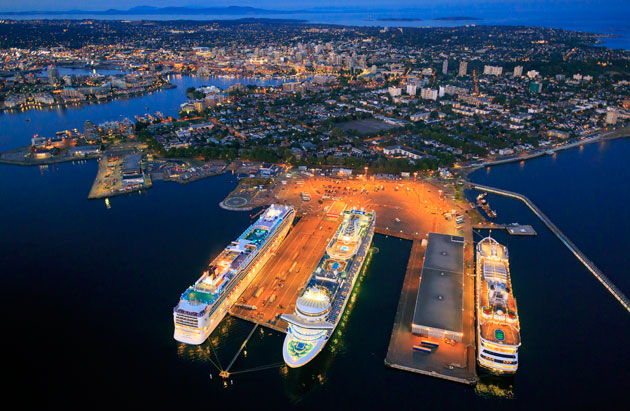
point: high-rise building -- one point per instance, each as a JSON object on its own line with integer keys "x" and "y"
{"x": 493, "y": 70}
{"x": 429, "y": 94}
{"x": 445, "y": 67}
{"x": 611, "y": 117}
{"x": 518, "y": 71}
{"x": 463, "y": 67}
{"x": 411, "y": 89}
{"x": 53, "y": 74}
{"x": 394, "y": 91}
{"x": 535, "y": 87}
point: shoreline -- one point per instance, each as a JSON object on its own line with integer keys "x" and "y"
{"x": 625, "y": 133}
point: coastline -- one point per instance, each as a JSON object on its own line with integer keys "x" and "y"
{"x": 622, "y": 133}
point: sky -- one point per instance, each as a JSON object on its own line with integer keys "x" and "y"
{"x": 12, "y": 5}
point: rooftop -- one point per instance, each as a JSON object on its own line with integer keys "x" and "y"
{"x": 439, "y": 303}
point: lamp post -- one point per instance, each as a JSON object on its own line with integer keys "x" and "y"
{"x": 365, "y": 173}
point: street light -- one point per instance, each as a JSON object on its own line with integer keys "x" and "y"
{"x": 366, "y": 173}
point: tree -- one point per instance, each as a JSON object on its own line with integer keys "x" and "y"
{"x": 337, "y": 132}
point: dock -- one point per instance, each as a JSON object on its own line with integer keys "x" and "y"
{"x": 110, "y": 177}
{"x": 623, "y": 300}
{"x": 276, "y": 288}
{"x": 450, "y": 360}
{"x": 512, "y": 229}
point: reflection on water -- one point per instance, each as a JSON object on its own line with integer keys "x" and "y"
{"x": 495, "y": 387}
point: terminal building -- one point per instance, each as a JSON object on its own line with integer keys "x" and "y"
{"x": 440, "y": 299}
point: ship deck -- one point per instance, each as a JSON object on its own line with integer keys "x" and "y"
{"x": 509, "y": 334}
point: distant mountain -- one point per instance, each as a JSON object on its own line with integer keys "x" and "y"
{"x": 457, "y": 18}
{"x": 150, "y": 10}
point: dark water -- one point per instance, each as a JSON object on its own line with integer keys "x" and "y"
{"x": 16, "y": 131}
{"x": 574, "y": 332}
{"x": 88, "y": 293}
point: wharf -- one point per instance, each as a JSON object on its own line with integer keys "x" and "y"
{"x": 512, "y": 229}
{"x": 23, "y": 157}
{"x": 454, "y": 361}
{"x": 286, "y": 273}
{"x": 109, "y": 177}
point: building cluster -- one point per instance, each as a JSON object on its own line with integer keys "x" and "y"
{"x": 340, "y": 96}
{"x": 47, "y": 87}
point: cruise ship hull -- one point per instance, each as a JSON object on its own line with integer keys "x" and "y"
{"x": 297, "y": 351}
{"x": 198, "y": 335}
{"x": 497, "y": 353}
{"x": 295, "y": 361}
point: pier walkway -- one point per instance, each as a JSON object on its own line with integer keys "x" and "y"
{"x": 565, "y": 240}
{"x": 511, "y": 229}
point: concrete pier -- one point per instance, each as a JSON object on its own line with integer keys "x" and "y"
{"x": 623, "y": 300}
{"x": 453, "y": 361}
{"x": 511, "y": 229}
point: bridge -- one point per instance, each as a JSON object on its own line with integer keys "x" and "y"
{"x": 564, "y": 239}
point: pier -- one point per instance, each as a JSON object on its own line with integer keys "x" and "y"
{"x": 448, "y": 359}
{"x": 512, "y": 229}
{"x": 564, "y": 239}
{"x": 276, "y": 288}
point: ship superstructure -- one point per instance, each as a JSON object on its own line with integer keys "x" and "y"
{"x": 204, "y": 304}
{"x": 498, "y": 326}
{"x": 320, "y": 306}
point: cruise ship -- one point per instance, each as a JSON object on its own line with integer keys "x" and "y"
{"x": 204, "y": 304}
{"x": 320, "y": 306}
{"x": 498, "y": 328}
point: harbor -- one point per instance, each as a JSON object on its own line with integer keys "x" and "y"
{"x": 276, "y": 288}
{"x": 601, "y": 277}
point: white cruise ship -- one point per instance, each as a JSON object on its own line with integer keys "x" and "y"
{"x": 498, "y": 326}
{"x": 204, "y": 304}
{"x": 320, "y": 306}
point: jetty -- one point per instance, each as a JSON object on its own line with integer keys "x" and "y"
{"x": 512, "y": 229}
{"x": 623, "y": 300}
